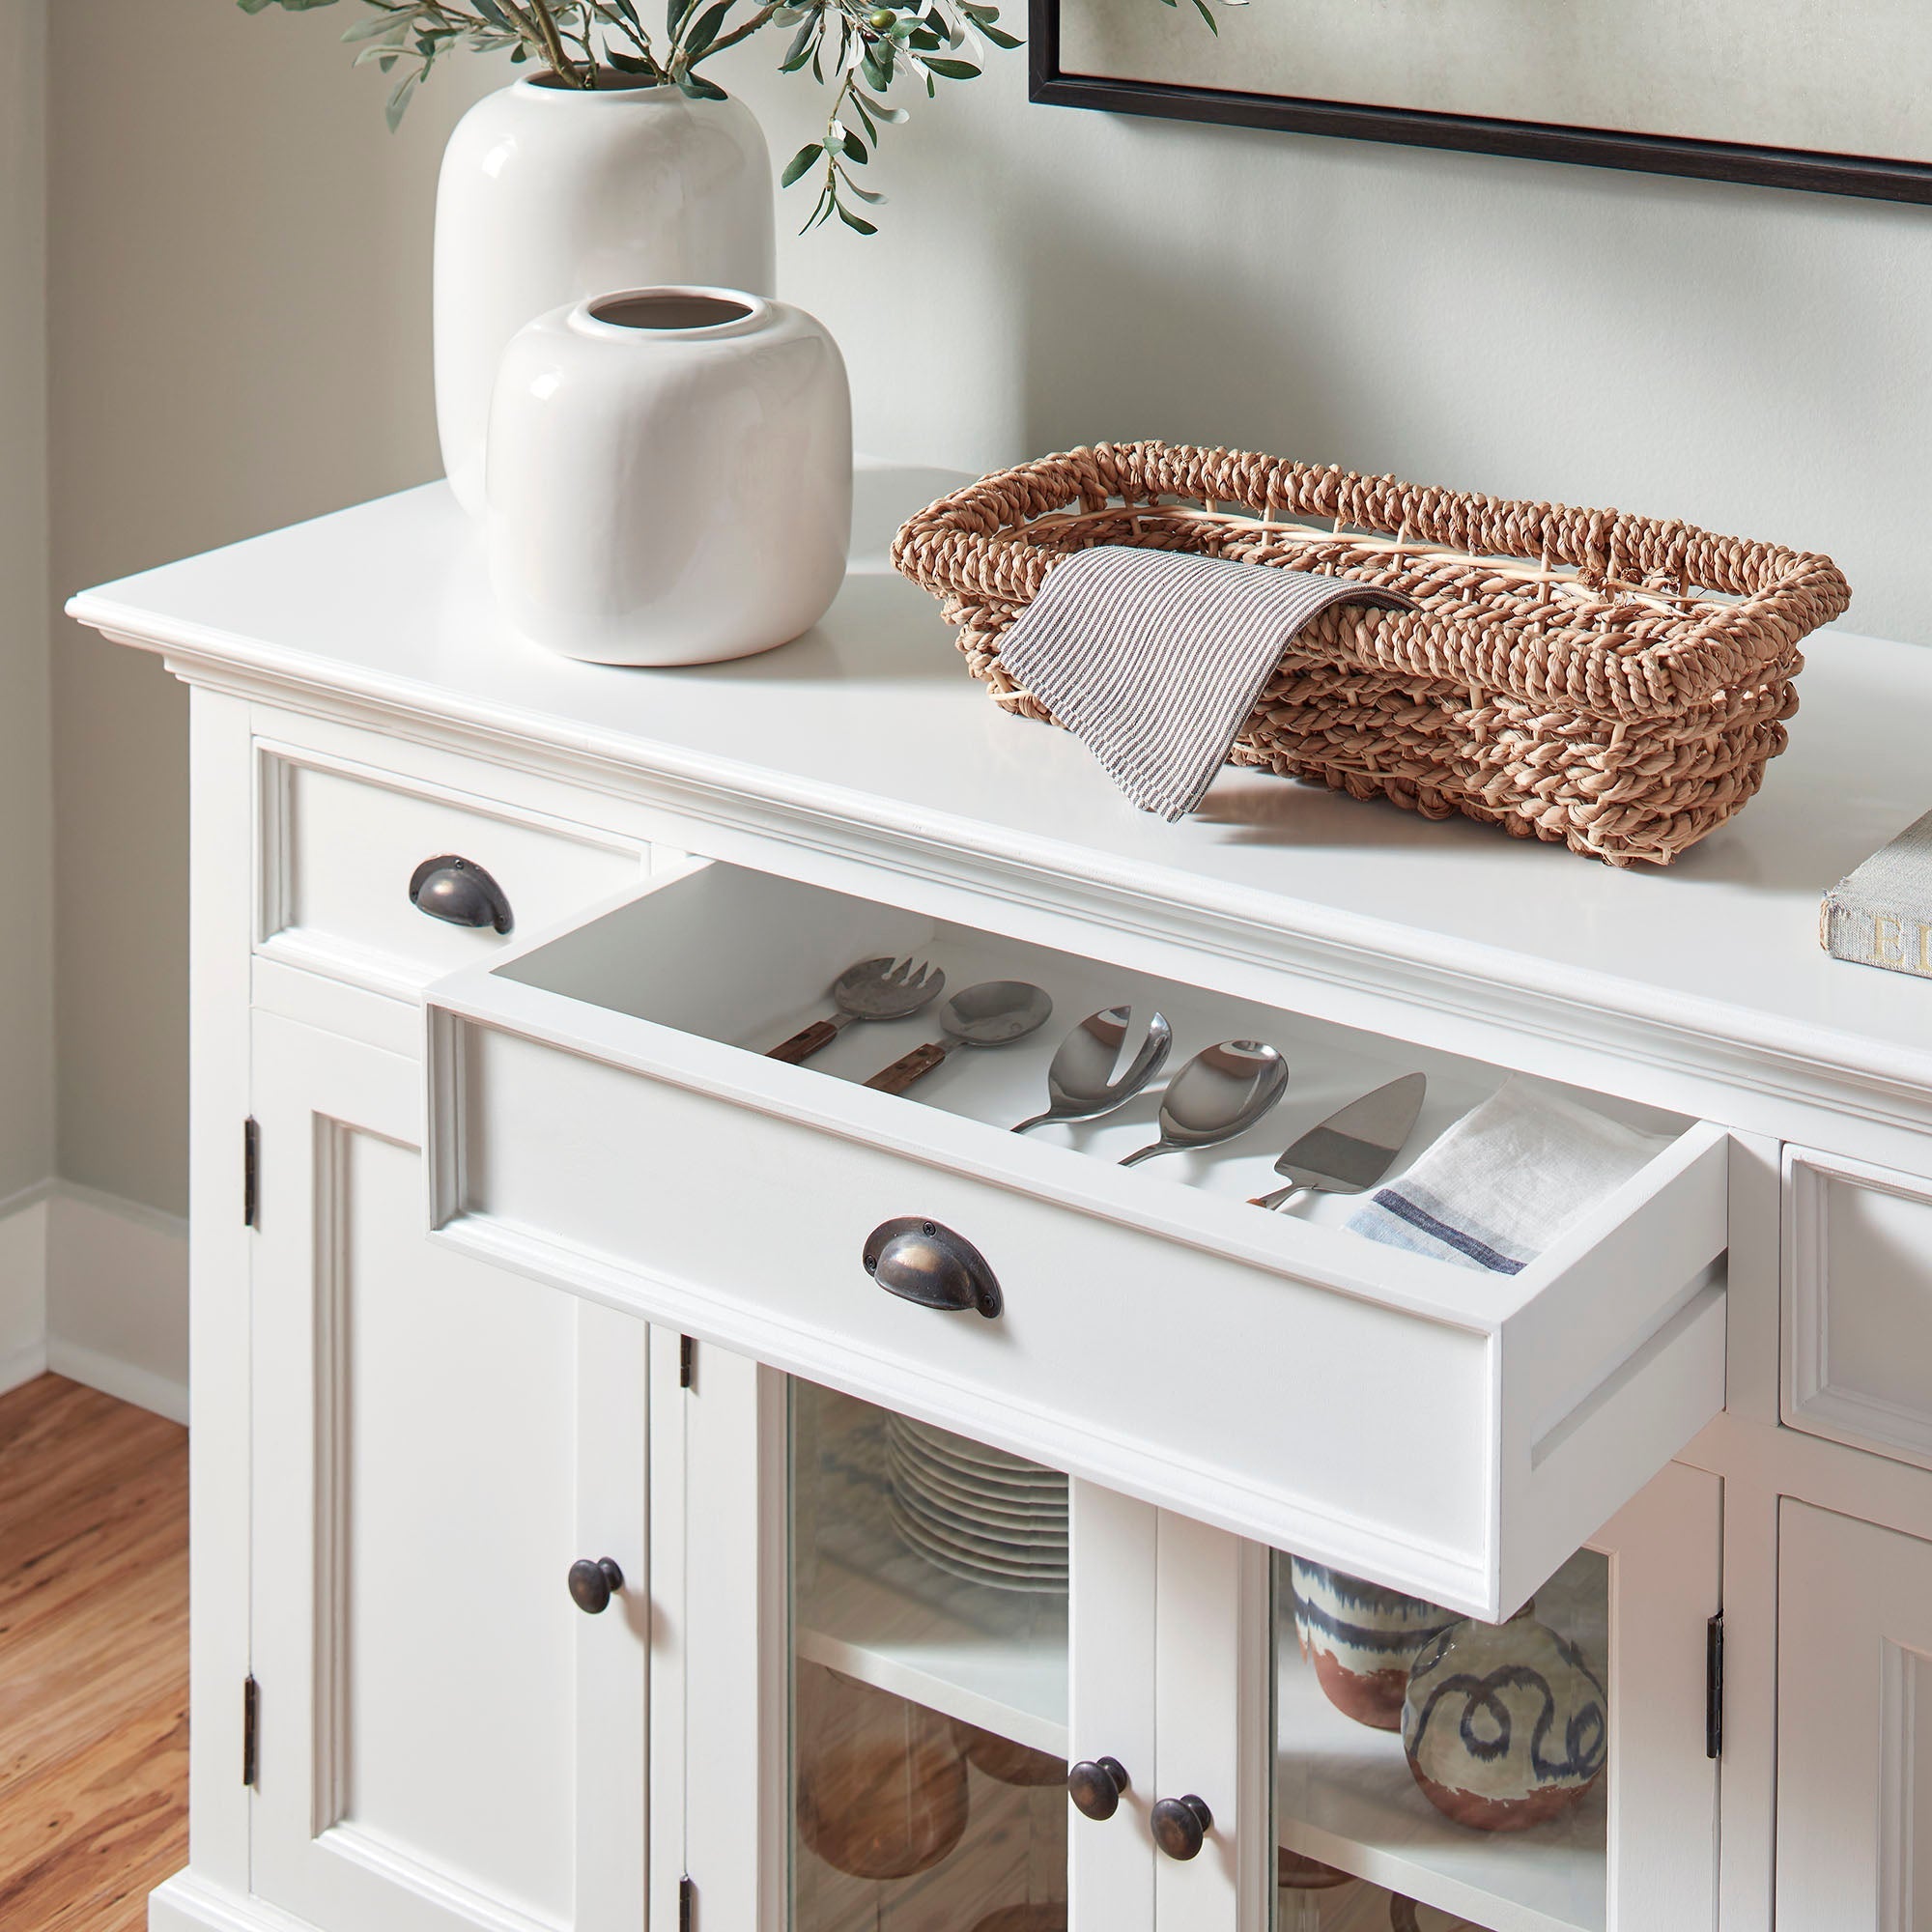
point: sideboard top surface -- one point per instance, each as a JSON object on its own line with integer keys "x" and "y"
{"x": 870, "y": 730}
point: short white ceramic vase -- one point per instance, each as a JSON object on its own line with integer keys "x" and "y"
{"x": 551, "y": 194}
{"x": 669, "y": 476}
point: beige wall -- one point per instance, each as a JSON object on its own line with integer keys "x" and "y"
{"x": 1758, "y": 362}
{"x": 240, "y": 340}
{"x": 26, "y": 936}
{"x": 240, "y": 292}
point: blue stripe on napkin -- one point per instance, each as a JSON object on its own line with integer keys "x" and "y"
{"x": 1421, "y": 1219}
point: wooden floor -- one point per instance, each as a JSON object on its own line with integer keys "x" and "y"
{"x": 93, "y": 1658}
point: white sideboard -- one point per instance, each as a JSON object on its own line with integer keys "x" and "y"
{"x": 578, "y": 1526}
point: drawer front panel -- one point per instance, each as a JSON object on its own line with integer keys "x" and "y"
{"x": 1268, "y": 1397}
{"x": 1443, "y": 1429}
{"x": 1858, "y": 1305}
{"x": 1106, "y": 1332}
{"x": 340, "y": 844}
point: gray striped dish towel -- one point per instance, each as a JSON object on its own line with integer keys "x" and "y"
{"x": 1153, "y": 658}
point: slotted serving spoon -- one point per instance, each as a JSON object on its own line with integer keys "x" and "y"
{"x": 1081, "y": 1084}
{"x": 874, "y": 990}
{"x": 1222, "y": 1092}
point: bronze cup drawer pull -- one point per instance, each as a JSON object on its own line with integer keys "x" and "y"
{"x": 459, "y": 892}
{"x": 1180, "y": 1825}
{"x": 1094, "y": 1785}
{"x": 925, "y": 1262}
{"x": 592, "y": 1586}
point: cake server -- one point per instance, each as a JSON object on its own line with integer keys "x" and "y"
{"x": 1353, "y": 1147}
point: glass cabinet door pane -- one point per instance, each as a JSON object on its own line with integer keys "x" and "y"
{"x": 1434, "y": 1772}
{"x": 929, "y": 1663}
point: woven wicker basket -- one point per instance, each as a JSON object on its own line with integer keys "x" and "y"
{"x": 1613, "y": 682}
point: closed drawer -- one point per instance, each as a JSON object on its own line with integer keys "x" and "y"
{"x": 597, "y": 1119}
{"x": 1858, "y": 1305}
{"x": 340, "y": 844}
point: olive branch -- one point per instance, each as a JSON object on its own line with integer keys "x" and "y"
{"x": 857, "y": 47}
{"x": 865, "y": 47}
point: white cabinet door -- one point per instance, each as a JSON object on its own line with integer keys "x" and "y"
{"x": 1854, "y": 1748}
{"x": 889, "y": 1641}
{"x": 848, "y": 1629}
{"x": 445, "y": 1740}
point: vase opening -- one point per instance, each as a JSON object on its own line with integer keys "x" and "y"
{"x": 604, "y": 81}
{"x": 669, "y": 309}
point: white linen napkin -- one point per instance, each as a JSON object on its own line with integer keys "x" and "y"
{"x": 1497, "y": 1187}
{"x": 1153, "y": 659}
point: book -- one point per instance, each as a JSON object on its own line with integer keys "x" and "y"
{"x": 1882, "y": 914}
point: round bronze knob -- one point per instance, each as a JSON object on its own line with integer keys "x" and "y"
{"x": 1094, "y": 1785}
{"x": 592, "y": 1586}
{"x": 1180, "y": 1825}
{"x": 459, "y": 892}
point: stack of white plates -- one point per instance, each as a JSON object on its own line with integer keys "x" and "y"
{"x": 974, "y": 1510}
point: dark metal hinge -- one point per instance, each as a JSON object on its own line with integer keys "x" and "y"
{"x": 1713, "y": 1686}
{"x": 687, "y": 1361}
{"x": 687, "y": 1905}
{"x": 251, "y": 1704}
{"x": 251, "y": 1172}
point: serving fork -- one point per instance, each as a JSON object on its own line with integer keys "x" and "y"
{"x": 874, "y": 990}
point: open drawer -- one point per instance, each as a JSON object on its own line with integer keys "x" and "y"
{"x": 602, "y": 1116}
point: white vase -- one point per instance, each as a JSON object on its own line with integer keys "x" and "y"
{"x": 669, "y": 476}
{"x": 551, "y": 194}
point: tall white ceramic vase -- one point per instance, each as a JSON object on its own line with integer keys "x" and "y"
{"x": 669, "y": 476}
{"x": 551, "y": 194}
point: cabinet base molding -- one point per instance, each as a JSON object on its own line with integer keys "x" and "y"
{"x": 187, "y": 1903}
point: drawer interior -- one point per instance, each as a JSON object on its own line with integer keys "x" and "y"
{"x": 745, "y": 958}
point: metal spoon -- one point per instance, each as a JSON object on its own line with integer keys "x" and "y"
{"x": 874, "y": 990}
{"x": 1081, "y": 1084}
{"x": 1222, "y": 1092}
{"x": 993, "y": 1014}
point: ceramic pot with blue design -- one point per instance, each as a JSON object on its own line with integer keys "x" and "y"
{"x": 1361, "y": 1638}
{"x": 1505, "y": 1726}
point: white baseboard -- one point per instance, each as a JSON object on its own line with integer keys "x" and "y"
{"x": 23, "y": 1285}
{"x": 126, "y": 1382}
{"x": 95, "y": 1288}
{"x": 22, "y": 1365}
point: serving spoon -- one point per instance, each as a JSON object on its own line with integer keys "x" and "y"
{"x": 1222, "y": 1092}
{"x": 995, "y": 1012}
{"x": 1081, "y": 1084}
